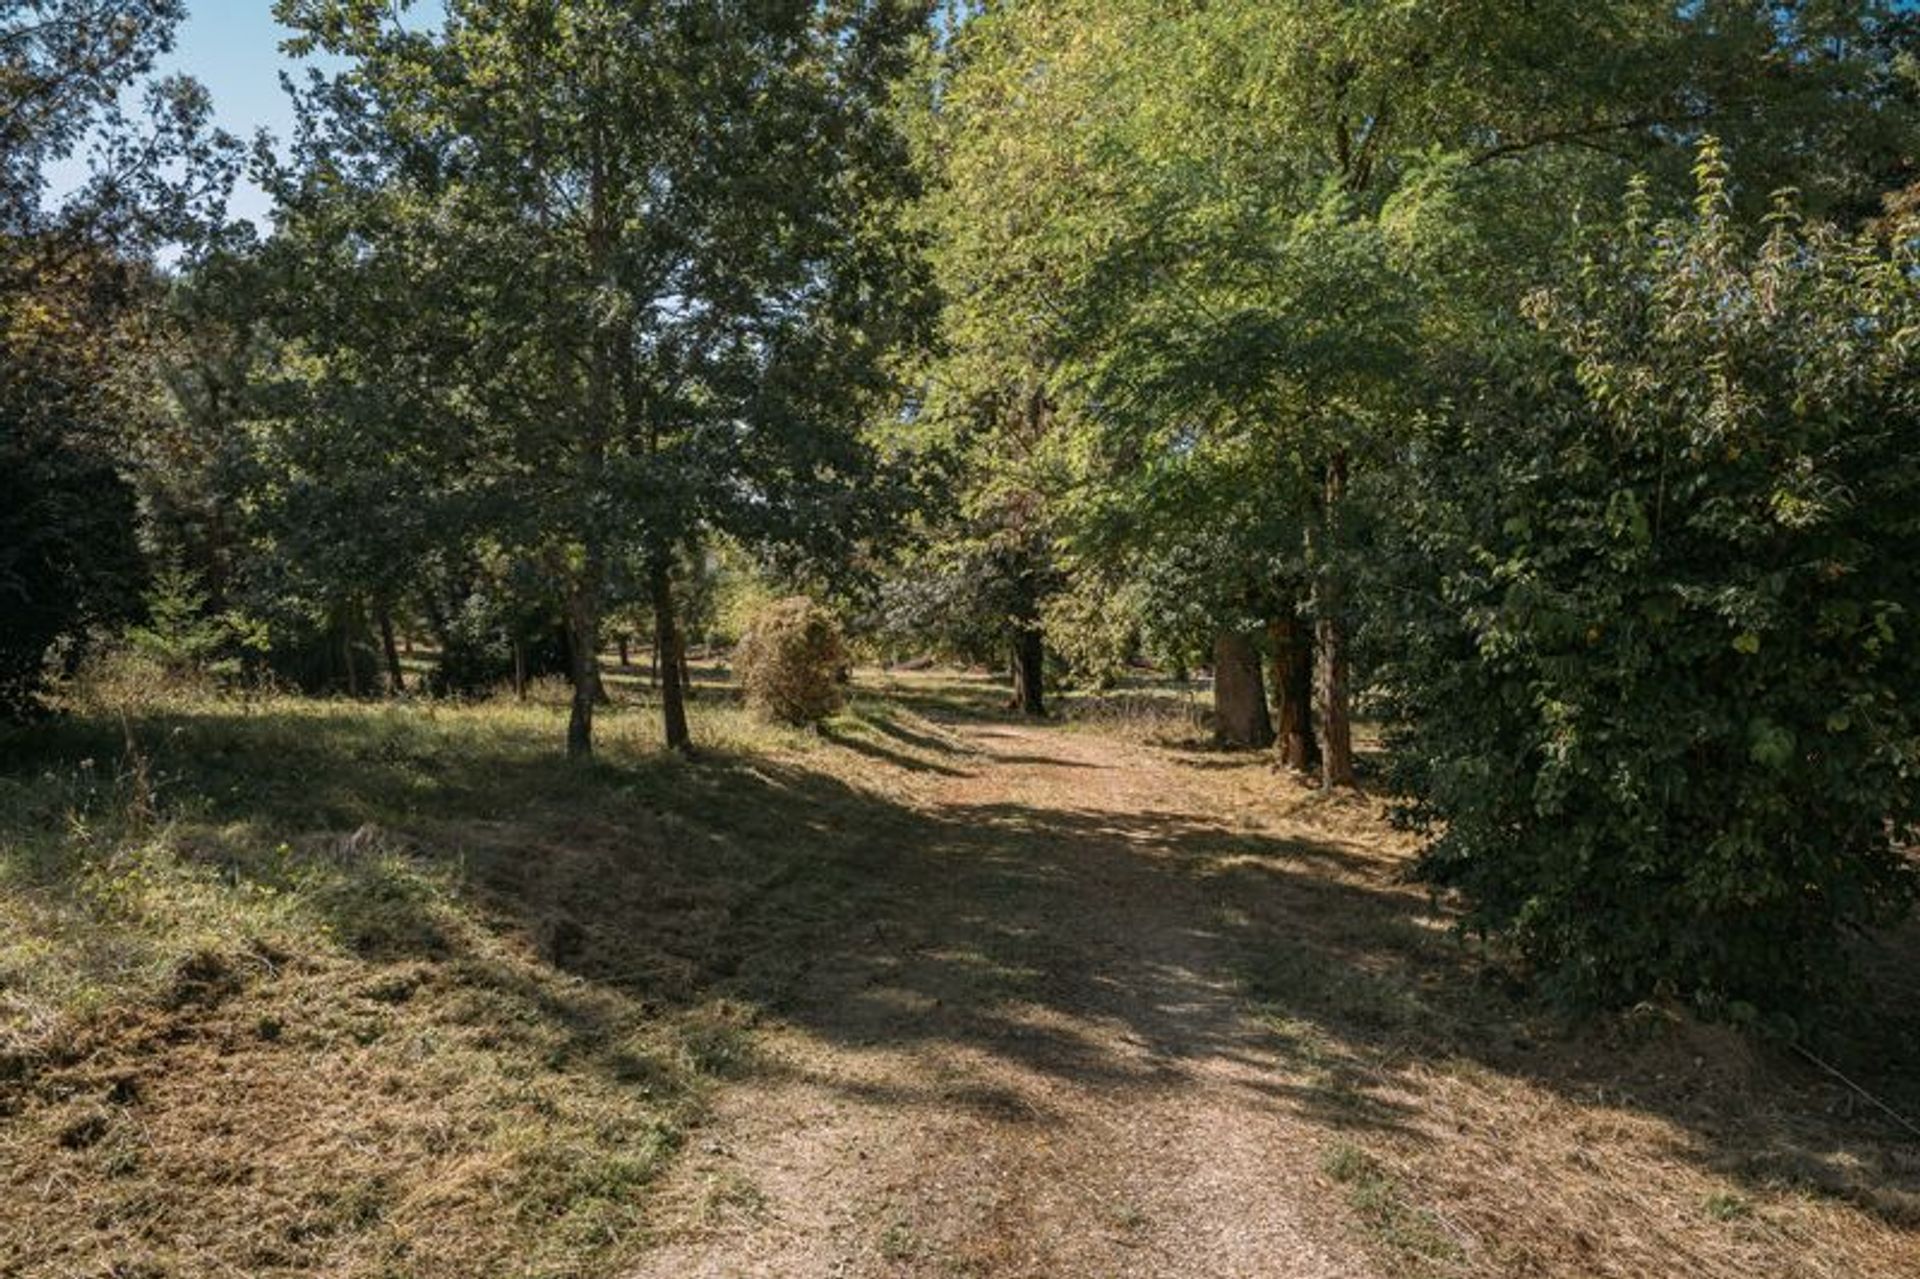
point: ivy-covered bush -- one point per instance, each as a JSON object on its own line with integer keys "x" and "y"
{"x": 1656, "y": 651}
{"x": 792, "y": 662}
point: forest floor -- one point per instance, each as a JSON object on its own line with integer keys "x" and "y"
{"x": 331, "y": 989}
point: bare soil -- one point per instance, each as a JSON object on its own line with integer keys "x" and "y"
{"x": 1139, "y": 1008}
{"x": 1044, "y": 1068}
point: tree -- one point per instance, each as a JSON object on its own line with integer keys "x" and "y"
{"x": 77, "y": 286}
{"x": 979, "y": 566}
{"x": 1264, "y": 222}
{"x": 1656, "y": 583}
{"x": 69, "y": 561}
{"x": 639, "y": 254}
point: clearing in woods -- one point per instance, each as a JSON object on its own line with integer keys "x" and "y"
{"x": 933, "y": 993}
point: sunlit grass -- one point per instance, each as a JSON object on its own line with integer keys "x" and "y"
{"x": 472, "y": 994}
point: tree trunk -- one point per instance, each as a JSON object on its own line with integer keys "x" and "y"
{"x": 670, "y": 660}
{"x": 1293, "y": 692}
{"x": 653, "y": 662}
{"x": 597, "y": 681}
{"x": 1336, "y": 723}
{"x": 1029, "y": 671}
{"x": 584, "y": 600}
{"x": 346, "y": 653}
{"x": 1239, "y": 695}
{"x": 583, "y": 625}
{"x": 396, "y": 678}
{"x": 686, "y": 671}
{"x": 519, "y": 668}
{"x": 1330, "y": 640}
{"x": 625, "y": 662}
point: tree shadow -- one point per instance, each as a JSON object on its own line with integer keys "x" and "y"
{"x": 878, "y": 718}
{"x": 874, "y": 750}
{"x": 1118, "y": 951}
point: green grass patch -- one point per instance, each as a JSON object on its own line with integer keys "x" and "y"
{"x": 1414, "y": 1236}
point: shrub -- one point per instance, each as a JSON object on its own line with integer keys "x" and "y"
{"x": 69, "y": 564}
{"x": 1660, "y": 671}
{"x": 792, "y": 662}
{"x": 184, "y": 639}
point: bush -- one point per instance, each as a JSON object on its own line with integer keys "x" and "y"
{"x": 792, "y": 662}
{"x": 1660, "y": 667}
{"x": 187, "y": 642}
{"x": 474, "y": 629}
{"x": 69, "y": 564}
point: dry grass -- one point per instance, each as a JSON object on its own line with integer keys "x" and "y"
{"x": 309, "y": 988}
{"x": 382, "y": 989}
{"x": 1472, "y": 1132}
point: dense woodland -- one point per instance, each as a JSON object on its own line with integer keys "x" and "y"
{"x": 1534, "y": 382}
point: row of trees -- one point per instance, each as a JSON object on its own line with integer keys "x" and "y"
{"x": 575, "y": 289}
{"x": 1459, "y": 360}
{"x": 1232, "y": 254}
{"x": 561, "y": 300}
{"x": 1465, "y": 358}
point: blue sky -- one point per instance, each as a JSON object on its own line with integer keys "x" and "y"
{"x": 233, "y": 47}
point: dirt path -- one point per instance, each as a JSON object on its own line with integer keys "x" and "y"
{"x": 1037, "y": 1065}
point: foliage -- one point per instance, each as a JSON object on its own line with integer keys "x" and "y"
{"x": 1654, "y": 650}
{"x": 793, "y": 662}
{"x": 69, "y": 561}
{"x": 1239, "y": 243}
{"x": 1094, "y": 626}
{"x": 62, "y": 64}
{"x": 591, "y": 280}
{"x": 76, "y": 285}
{"x": 184, "y": 638}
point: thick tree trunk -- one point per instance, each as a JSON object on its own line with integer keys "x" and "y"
{"x": 1336, "y": 724}
{"x": 583, "y": 625}
{"x": 625, "y": 662}
{"x": 1330, "y": 641}
{"x": 671, "y": 662}
{"x": 598, "y": 682}
{"x": 396, "y": 678}
{"x": 1239, "y": 695}
{"x": 1293, "y": 692}
{"x": 653, "y": 663}
{"x": 1029, "y": 671}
